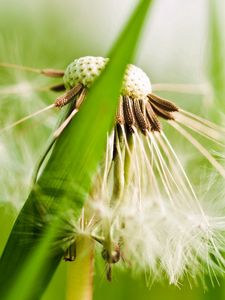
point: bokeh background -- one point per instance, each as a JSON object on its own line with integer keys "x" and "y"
{"x": 179, "y": 45}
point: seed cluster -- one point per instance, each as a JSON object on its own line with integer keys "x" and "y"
{"x": 136, "y": 83}
{"x": 143, "y": 114}
{"x": 138, "y": 108}
{"x": 85, "y": 70}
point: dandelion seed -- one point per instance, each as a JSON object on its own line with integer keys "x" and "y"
{"x": 143, "y": 207}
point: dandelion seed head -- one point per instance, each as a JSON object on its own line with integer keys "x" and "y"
{"x": 136, "y": 83}
{"x": 143, "y": 207}
{"x": 85, "y": 70}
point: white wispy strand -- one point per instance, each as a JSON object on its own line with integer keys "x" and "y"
{"x": 161, "y": 225}
{"x": 18, "y": 148}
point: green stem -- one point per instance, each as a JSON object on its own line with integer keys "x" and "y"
{"x": 118, "y": 185}
{"x": 122, "y": 167}
{"x": 80, "y": 271}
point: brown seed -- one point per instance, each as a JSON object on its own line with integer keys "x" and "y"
{"x": 152, "y": 117}
{"x": 162, "y": 103}
{"x": 141, "y": 121}
{"x": 128, "y": 111}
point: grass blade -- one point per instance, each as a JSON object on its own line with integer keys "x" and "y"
{"x": 216, "y": 59}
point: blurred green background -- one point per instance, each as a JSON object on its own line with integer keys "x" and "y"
{"x": 183, "y": 42}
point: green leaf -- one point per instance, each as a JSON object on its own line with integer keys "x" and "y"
{"x": 28, "y": 262}
{"x": 216, "y": 58}
{"x": 217, "y": 79}
{"x": 7, "y": 218}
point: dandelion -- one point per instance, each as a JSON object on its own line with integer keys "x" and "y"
{"x": 143, "y": 209}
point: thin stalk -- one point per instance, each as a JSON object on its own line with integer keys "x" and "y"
{"x": 127, "y": 162}
{"x": 80, "y": 272}
{"x": 118, "y": 184}
{"x": 122, "y": 165}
